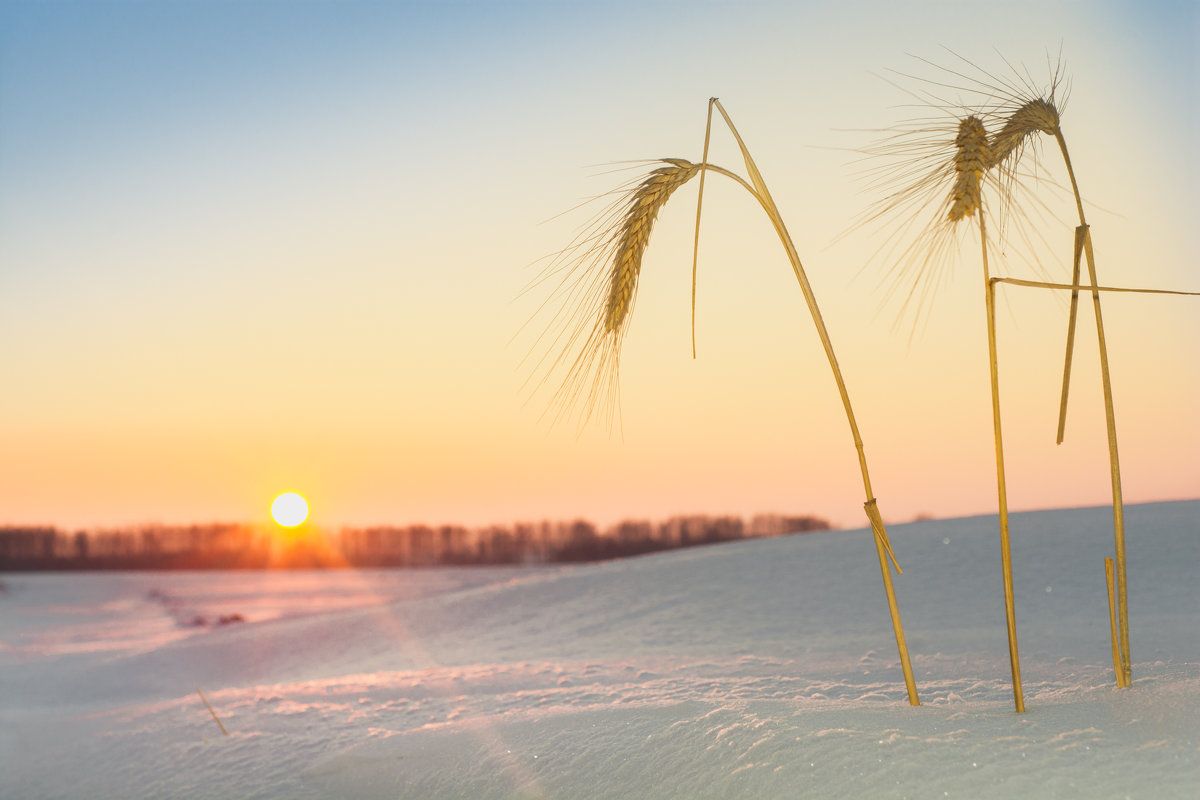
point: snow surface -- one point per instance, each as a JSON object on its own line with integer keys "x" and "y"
{"x": 757, "y": 669}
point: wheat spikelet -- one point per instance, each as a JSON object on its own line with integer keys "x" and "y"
{"x": 634, "y": 234}
{"x": 970, "y": 162}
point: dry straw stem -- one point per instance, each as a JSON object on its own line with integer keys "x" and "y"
{"x": 1118, "y": 668}
{"x": 211, "y": 711}
{"x": 598, "y": 274}
{"x": 1001, "y": 479}
{"x": 883, "y": 547}
{"x": 1075, "y": 287}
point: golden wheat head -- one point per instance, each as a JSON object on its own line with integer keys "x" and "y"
{"x": 942, "y": 167}
{"x": 1035, "y": 116}
{"x": 634, "y": 234}
{"x": 971, "y": 159}
{"x": 591, "y": 304}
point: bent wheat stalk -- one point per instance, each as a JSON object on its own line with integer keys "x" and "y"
{"x": 758, "y": 189}
{"x": 1084, "y": 232}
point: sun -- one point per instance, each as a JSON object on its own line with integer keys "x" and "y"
{"x": 289, "y": 510}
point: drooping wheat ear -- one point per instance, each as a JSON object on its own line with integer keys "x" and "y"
{"x": 595, "y": 281}
{"x": 970, "y": 162}
{"x": 645, "y": 203}
{"x": 1035, "y": 116}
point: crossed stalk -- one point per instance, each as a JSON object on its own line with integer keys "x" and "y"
{"x": 1048, "y": 122}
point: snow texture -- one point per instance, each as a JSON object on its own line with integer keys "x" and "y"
{"x": 757, "y": 669}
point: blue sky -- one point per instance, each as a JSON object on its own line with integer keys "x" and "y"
{"x": 250, "y": 246}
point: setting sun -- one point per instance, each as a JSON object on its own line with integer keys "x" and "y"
{"x": 289, "y": 509}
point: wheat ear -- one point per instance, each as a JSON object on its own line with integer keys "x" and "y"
{"x": 588, "y": 312}
{"x": 1035, "y": 116}
{"x": 634, "y": 234}
{"x": 970, "y": 162}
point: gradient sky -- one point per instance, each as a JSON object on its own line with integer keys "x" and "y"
{"x": 249, "y": 247}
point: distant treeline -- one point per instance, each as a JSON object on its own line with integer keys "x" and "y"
{"x": 233, "y": 546}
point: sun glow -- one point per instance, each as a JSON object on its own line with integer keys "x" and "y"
{"x": 289, "y": 510}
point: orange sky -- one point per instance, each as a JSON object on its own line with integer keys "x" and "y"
{"x": 242, "y": 254}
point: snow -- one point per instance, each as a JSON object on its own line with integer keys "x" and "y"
{"x": 758, "y": 669}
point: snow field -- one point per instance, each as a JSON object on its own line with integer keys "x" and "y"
{"x": 763, "y": 668}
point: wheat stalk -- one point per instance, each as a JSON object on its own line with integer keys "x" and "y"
{"x": 758, "y": 188}
{"x": 1001, "y": 475}
{"x": 972, "y": 157}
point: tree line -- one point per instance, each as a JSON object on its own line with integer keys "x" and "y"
{"x": 238, "y": 546}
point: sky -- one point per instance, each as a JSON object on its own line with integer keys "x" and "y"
{"x": 251, "y": 247}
